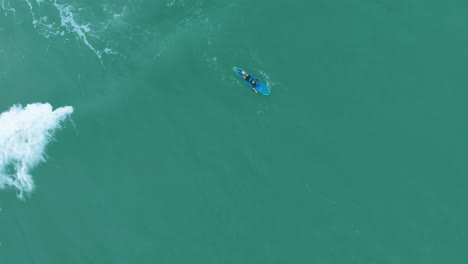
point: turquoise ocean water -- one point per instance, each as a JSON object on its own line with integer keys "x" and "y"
{"x": 133, "y": 141}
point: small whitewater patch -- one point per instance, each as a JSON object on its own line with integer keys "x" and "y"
{"x": 24, "y": 135}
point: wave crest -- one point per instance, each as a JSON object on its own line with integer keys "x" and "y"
{"x": 24, "y": 134}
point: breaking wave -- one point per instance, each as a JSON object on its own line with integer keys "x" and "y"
{"x": 24, "y": 134}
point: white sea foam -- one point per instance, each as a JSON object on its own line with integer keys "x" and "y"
{"x": 24, "y": 134}
{"x": 66, "y": 21}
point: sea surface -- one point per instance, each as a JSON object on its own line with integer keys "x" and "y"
{"x": 126, "y": 136}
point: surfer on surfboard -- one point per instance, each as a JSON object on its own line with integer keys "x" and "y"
{"x": 257, "y": 85}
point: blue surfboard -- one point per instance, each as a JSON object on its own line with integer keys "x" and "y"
{"x": 259, "y": 86}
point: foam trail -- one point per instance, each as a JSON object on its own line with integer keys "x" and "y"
{"x": 7, "y": 8}
{"x": 32, "y": 12}
{"x": 67, "y": 20}
{"x": 60, "y": 18}
{"x": 24, "y": 134}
